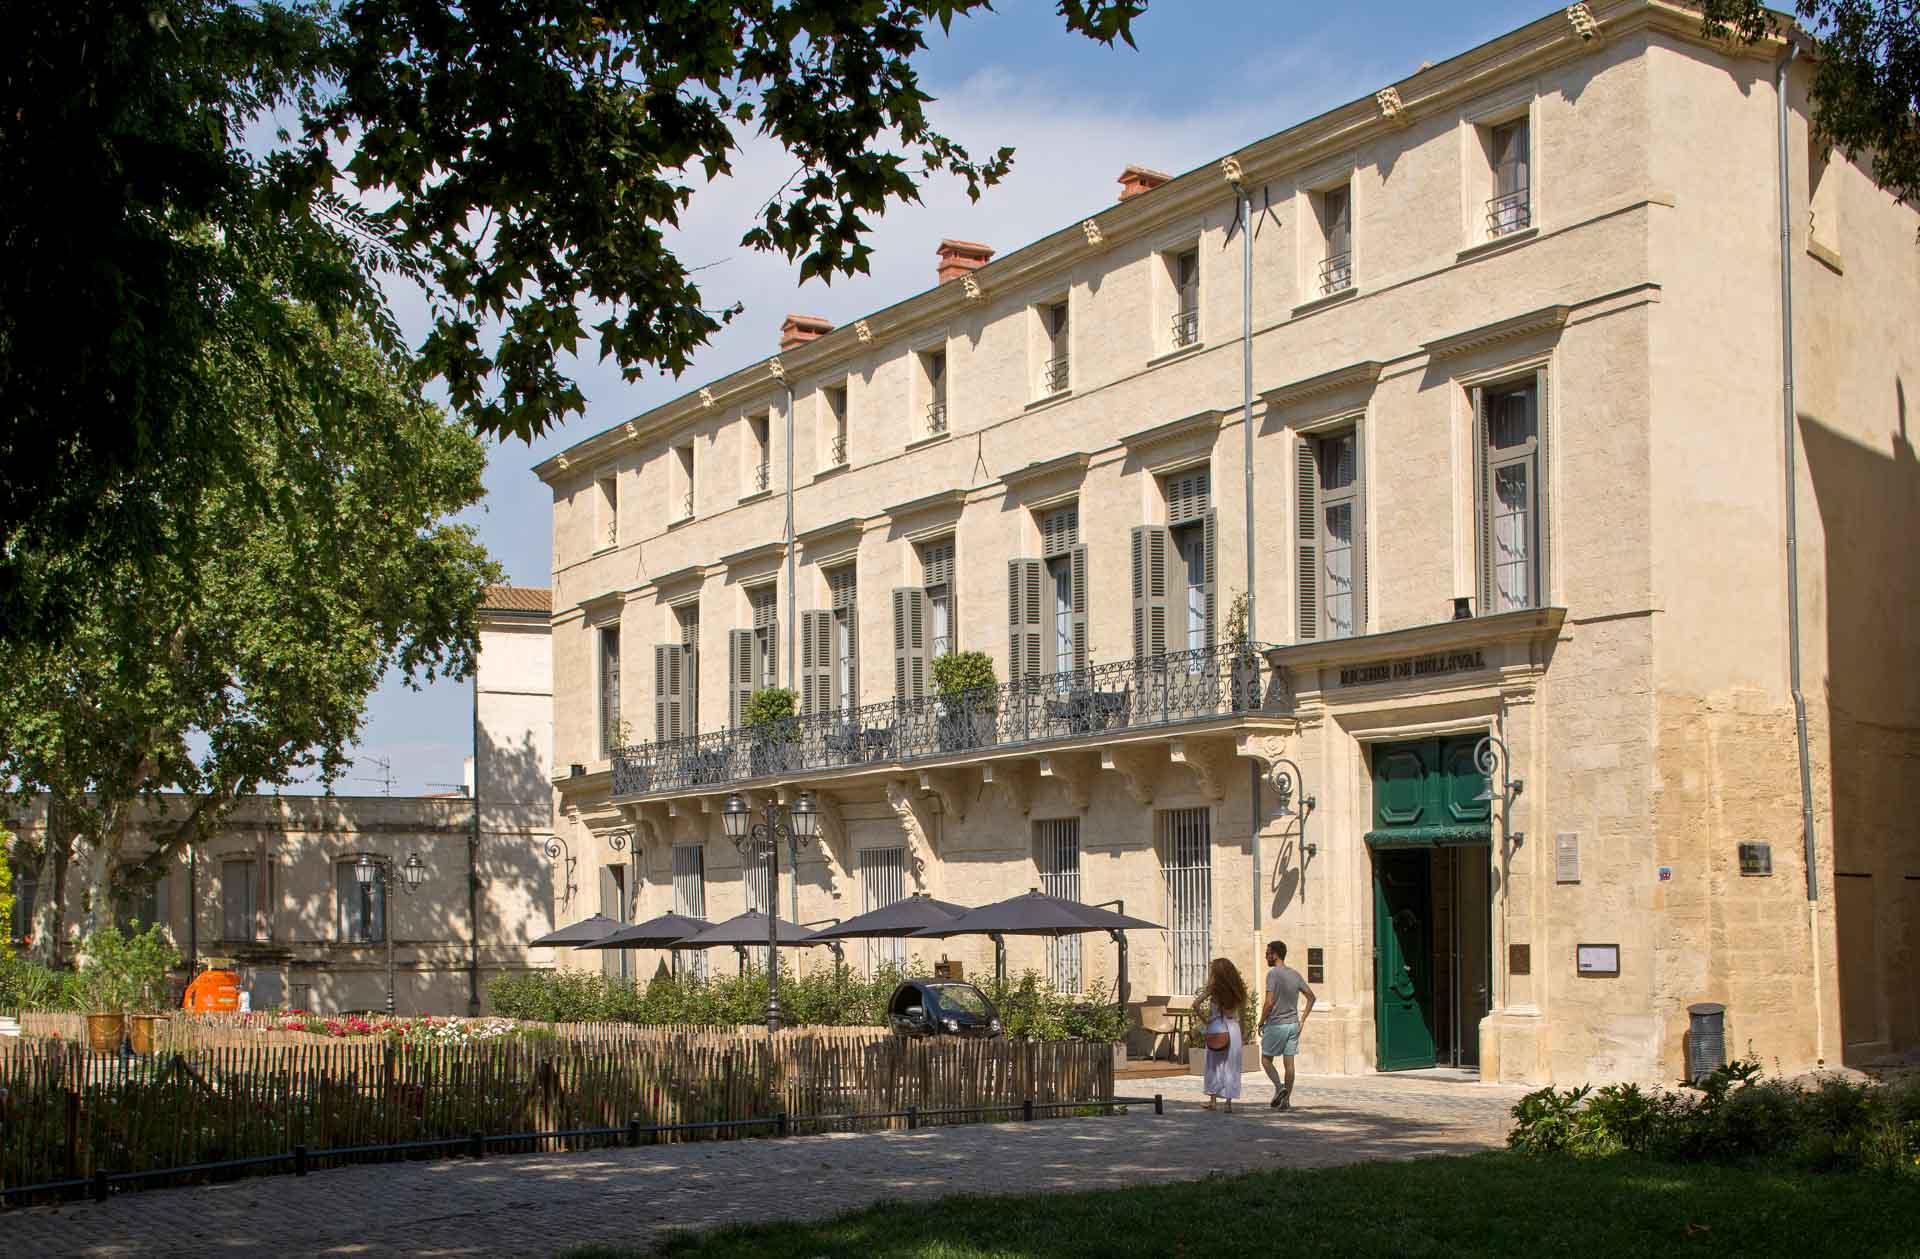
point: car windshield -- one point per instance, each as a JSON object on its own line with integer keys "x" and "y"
{"x": 959, "y": 999}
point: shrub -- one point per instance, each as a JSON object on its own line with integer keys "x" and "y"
{"x": 771, "y": 709}
{"x": 959, "y": 672}
{"x": 27, "y": 985}
{"x": 122, "y": 972}
{"x": 6, "y": 894}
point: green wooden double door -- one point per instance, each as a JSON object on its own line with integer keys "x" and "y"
{"x": 1431, "y": 902}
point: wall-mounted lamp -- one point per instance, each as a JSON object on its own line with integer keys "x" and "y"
{"x": 1490, "y": 754}
{"x": 1286, "y": 783}
{"x": 556, "y": 846}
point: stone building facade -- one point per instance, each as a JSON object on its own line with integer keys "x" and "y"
{"x": 1514, "y": 393}
{"x": 274, "y": 889}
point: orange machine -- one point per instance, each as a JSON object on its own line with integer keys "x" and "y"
{"x": 213, "y": 992}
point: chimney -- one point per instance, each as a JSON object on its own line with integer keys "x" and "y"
{"x": 1138, "y": 179}
{"x": 800, "y": 329}
{"x": 957, "y": 257}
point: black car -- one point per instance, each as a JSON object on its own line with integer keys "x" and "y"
{"x": 941, "y": 1007}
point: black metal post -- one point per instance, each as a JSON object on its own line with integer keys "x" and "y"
{"x": 773, "y": 829}
{"x": 299, "y": 1160}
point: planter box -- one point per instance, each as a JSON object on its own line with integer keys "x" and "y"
{"x": 1249, "y": 1053}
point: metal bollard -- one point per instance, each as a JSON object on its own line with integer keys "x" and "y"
{"x": 633, "y": 1132}
{"x": 1026, "y": 1109}
{"x": 913, "y": 1118}
{"x": 1159, "y": 1104}
{"x": 780, "y": 1124}
{"x": 299, "y": 1160}
{"x": 99, "y": 1184}
{"x": 476, "y": 1145}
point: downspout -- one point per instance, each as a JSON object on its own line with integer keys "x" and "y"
{"x": 473, "y": 865}
{"x": 1788, "y": 419}
{"x": 793, "y": 617}
{"x": 1243, "y": 209}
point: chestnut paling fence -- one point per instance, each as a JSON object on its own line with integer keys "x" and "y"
{"x": 67, "y": 1115}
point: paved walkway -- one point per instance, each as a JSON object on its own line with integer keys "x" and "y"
{"x": 537, "y": 1205}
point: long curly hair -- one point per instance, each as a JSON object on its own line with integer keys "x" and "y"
{"x": 1224, "y": 986}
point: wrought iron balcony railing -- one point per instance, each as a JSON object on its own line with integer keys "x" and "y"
{"x": 686, "y": 506}
{"x": 1178, "y": 688}
{"x": 1336, "y": 274}
{"x": 1509, "y": 212}
{"x": 1186, "y": 327}
{"x": 1053, "y": 378}
{"x": 762, "y": 475}
{"x": 936, "y": 418}
{"x": 840, "y": 450}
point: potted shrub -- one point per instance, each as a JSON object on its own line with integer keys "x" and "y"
{"x": 770, "y": 716}
{"x": 150, "y": 957}
{"x": 122, "y": 974}
{"x": 964, "y": 686}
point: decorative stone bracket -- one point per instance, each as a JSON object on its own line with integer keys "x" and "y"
{"x": 1209, "y": 763}
{"x": 1071, "y": 772}
{"x": 951, "y": 787}
{"x": 1136, "y": 767}
{"x": 918, "y": 827}
{"x": 1012, "y": 782}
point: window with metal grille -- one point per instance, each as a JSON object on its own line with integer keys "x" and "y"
{"x": 834, "y": 397}
{"x": 846, "y": 638}
{"x": 609, "y": 511}
{"x": 753, "y": 873}
{"x": 759, "y": 450}
{"x": 1511, "y": 500}
{"x": 1057, "y": 853}
{"x": 936, "y": 577}
{"x": 363, "y": 906}
{"x": 690, "y": 900}
{"x": 610, "y": 732}
{"x": 683, "y": 458}
{"x": 1335, "y": 206}
{"x": 1186, "y": 872}
{"x": 1511, "y": 207}
{"x": 933, "y": 371}
{"x": 1054, "y": 374}
{"x": 883, "y": 880}
{"x": 1183, "y": 272}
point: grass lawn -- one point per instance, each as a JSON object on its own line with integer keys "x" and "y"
{"x": 1487, "y": 1204}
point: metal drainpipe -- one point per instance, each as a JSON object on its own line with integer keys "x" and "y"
{"x": 1244, "y": 209}
{"x": 473, "y": 865}
{"x": 1789, "y": 418}
{"x": 792, "y": 620}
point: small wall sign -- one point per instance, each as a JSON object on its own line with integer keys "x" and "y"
{"x": 1597, "y": 960}
{"x": 1520, "y": 959}
{"x": 1434, "y": 665}
{"x": 1665, "y": 874}
{"x": 1316, "y": 965}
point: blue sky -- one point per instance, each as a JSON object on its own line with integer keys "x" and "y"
{"x": 1207, "y": 78}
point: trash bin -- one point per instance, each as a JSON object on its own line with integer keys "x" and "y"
{"x": 1706, "y": 1039}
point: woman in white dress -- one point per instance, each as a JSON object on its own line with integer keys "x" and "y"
{"x": 1224, "y": 997}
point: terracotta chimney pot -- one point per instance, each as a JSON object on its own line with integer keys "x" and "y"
{"x": 1138, "y": 179}
{"x": 957, "y": 257}
{"x": 800, "y": 329}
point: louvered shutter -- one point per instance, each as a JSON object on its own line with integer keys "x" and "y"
{"x": 843, "y": 584}
{"x": 1482, "y": 507}
{"x": 816, "y": 662}
{"x": 669, "y": 681}
{"x": 1023, "y": 618}
{"x": 909, "y": 643}
{"x": 741, "y": 662}
{"x": 1361, "y": 541}
{"x": 1189, "y": 496}
{"x": 1543, "y": 530}
{"x": 1209, "y": 530}
{"x": 1150, "y": 546}
{"x": 1060, "y": 531}
{"x": 1078, "y": 560}
{"x": 1307, "y": 539}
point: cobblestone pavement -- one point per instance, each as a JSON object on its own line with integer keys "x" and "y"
{"x": 536, "y": 1205}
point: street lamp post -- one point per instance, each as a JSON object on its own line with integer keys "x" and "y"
{"x": 1490, "y": 754}
{"x": 370, "y": 868}
{"x": 762, "y": 838}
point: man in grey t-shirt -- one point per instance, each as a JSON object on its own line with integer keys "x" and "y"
{"x": 1281, "y": 1020}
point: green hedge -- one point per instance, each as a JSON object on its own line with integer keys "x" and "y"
{"x": 26, "y": 985}
{"x": 839, "y": 997}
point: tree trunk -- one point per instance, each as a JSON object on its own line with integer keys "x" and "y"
{"x": 100, "y": 853}
{"x": 49, "y": 908}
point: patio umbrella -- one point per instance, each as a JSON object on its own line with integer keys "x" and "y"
{"x": 577, "y": 933}
{"x": 902, "y": 918}
{"x": 663, "y": 932}
{"x": 1036, "y": 914}
{"x": 747, "y": 929}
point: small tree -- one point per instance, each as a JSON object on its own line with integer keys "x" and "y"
{"x": 770, "y": 711}
{"x": 123, "y": 973}
{"x": 960, "y": 674}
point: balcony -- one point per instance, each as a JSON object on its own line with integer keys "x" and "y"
{"x": 839, "y": 451}
{"x": 1186, "y": 328}
{"x": 1336, "y": 274}
{"x": 1053, "y": 377}
{"x": 762, "y": 476}
{"x": 1508, "y": 213}
{"x": 936, "y": 418}
{"x": 1099, "y": 703}
{"x": 686, "y": 506}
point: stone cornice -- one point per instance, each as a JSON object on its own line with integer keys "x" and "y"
{"x": 1528, "y": 624}
{"x": 754, "y": 555}
{"x": 1546, "y": 319}
{"x": 930, "y": 511}
{"x": 685, "y": 576}
{"x": 1074, "y": 465}
{"x": 819, "y": 536}
{"x": 1200, "y": 423}
{"x": 1354, "y": 376}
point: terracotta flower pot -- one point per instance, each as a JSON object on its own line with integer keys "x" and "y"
{"x": 144, "y": 1031}
{"x": 105, "y": 1032}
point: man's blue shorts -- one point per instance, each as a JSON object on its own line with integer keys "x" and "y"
{"x": 1280, "y": 1040}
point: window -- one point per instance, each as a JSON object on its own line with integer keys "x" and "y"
{"x": 683, "y": 479}
{"x": 608, "y": 504}
{"x": 1510, "y": 424}
{"x": 26, "y": 891}
{"x": 759, "y": 450}
{"x": 612, "y": 729}
{"x": 1047, "y": 602}
{"x": 137, "y": 906}
{"x": 829, "y": 647}
{"x": 615, "y": 963}
{"x": 1331, "y": 536}
{"x": 834, "y": 399}
{"x": 1057, "y": 853}
{"x": 753, "y": 874}
{"x": 883, "y": 880}
{"x": 1335, "y": 209}
{"x": 676, "y": 678}
{"x": 690, "y": 901}
{"x": 753, "y": 655}
{"x": 1186, "y": 874}
{"x": 1173, "y": 575}
{"x": 363, "y": 906}
{"x": 936, "y": 576}
{"x": 1510, "y": 209}
{"x": 246, "y": 890}
{"x": 933, "y": 373}
{"x": 1054, "y": 371}
{"x": 1183, "y": 275}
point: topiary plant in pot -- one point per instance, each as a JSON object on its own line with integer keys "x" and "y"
{"x": 771, "y": 717}
{"x": 119, "y": 975}
{"x": 964, "y": 684}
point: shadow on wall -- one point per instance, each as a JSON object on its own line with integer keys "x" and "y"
{"x": 1869, "y": 505}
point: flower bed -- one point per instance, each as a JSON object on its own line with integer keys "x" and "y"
{"x": 421, "y": 1030}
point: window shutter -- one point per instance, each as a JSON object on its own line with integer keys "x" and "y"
{"x": 669, "y": 681}
{"x": 936, "y": 564}
{"x": 1189, "y": 496}
{"x": 1360, "y": 539}
{"x": 909, "y": 644}
{"x": 816, "y": 662}
{"x": 1078, "y": 560}
{"x": 1209, "y": 529}
{"x": 1150, "y": 546}
{"x": 1307, "y": 539}
{"x": 1482, "y": 506}
{"x": 1023, "y": 618}
{"x": 1543, "y": 531}
{"x": 1060, "y": 531}
{"x": 741, "y": 662}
